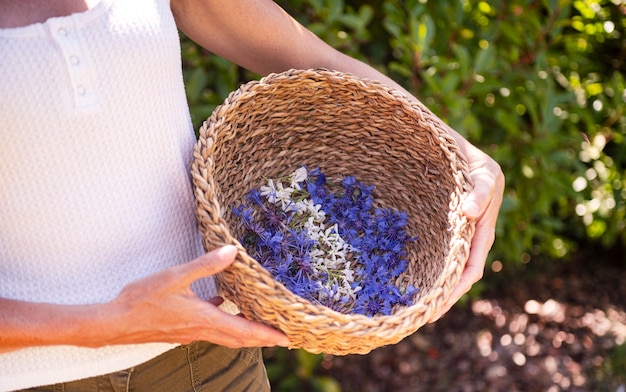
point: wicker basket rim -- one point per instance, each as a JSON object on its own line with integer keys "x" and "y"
{"x": 462, "y": 233}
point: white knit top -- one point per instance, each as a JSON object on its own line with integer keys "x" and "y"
{"x": 95, "y": 146}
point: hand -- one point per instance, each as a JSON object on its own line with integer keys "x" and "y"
{"x": 483, "y": 205}
{"x": 163, "y": 308}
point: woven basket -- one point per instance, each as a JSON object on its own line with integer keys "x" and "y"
{"x": 344, "y": 126}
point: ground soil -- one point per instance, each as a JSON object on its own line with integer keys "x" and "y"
{"x": 563, "y": 328}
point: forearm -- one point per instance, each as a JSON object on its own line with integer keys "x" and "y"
{"x": 157, "y": 308}
{"x": 260, "y": 36}
{"x": 26, "y": 324}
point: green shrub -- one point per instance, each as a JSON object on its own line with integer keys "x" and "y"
{"x": 539, "y": 85}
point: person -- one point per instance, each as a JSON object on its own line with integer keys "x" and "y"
{"x": 104, "y": 284}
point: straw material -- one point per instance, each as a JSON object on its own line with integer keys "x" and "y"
{"x": 343, "y": 125}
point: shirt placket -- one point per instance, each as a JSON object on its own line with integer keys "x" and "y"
{"x": 64, "y": 32}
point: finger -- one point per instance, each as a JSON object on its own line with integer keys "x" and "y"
{"x": 237, "y": 331}
{"x": 489, "y": 184}
{"x": 206, "y": 265}
{"x": 486, "y": 188}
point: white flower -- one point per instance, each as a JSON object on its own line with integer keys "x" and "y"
{"x": 269, "y": 191}
{"x": 283, "y": 194}
{"x": 298, "y": 176}
{"x": 314, "y": 210}
{"x": 298, "y": 207}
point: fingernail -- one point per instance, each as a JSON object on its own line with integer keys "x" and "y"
{"x": 283, "y": 342}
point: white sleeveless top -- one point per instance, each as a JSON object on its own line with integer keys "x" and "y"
{"x": 95, "y": 192}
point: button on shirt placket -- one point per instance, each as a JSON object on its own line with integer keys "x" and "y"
{"x": 64, "y": 34}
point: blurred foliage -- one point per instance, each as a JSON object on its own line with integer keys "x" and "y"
{"x": 297, "y": 370}
{"x": 537, "y": 84}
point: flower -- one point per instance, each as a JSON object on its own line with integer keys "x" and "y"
{"x": 327, "y": 242}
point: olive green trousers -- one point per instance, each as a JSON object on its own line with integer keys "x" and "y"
{"x": 197, "y": 367}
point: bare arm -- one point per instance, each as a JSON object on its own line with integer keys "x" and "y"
{"x": 158, "y": 308}
{"x": 260, "y": 36}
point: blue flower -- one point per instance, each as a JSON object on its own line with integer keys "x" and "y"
{"x": 373, "y": 301}
{"x": 275, "y": 242}
{"x": 317, "y": 189}
{"x": 327, "y": 242}
{"x": 405, "y": 299}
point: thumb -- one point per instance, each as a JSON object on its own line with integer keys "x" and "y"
{"x": 480, "y": 197}
{"x": 207, "y": 265}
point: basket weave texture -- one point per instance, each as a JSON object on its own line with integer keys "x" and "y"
{"x": 343, "y": 125}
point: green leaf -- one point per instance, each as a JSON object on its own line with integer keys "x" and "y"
{"x": 422, "y": 32}
{"x": 462, "y": 55}
{"x": 484, "y": 59}
{"x": 325, "y": 384}
{"x": 335, "y": 10}
{"x": 450, "y": 83}
{"x": 317, "y": 5}
{"x": 550, "y": 5}
{"x": 196, "y": 83}
{"x": 307, "y": 362}
{"x": 510, "y": 31}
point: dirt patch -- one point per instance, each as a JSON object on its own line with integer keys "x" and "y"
{"x": 561, "y": 330}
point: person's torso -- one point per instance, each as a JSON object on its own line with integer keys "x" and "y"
{"x": 95, "y": 192}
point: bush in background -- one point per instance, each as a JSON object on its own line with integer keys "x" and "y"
{"x": 539, "y": 85}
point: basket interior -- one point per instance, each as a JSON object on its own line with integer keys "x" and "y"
{"x": 343, "y": 131}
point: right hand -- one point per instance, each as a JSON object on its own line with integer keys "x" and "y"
{"x": 162, "y": 308}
